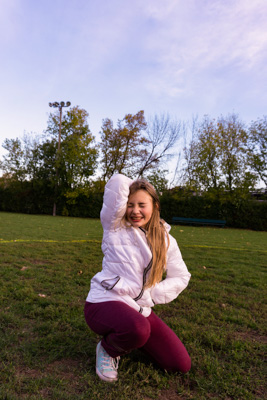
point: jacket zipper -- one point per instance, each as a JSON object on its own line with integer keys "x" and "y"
{"x": 146, "y": 270}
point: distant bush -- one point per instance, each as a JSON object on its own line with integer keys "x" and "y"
{"x": 38, "y": 198}
{"x": 243, "y": 213}
{"x": 85, "y": 206}
{"x": 26, "y": 197}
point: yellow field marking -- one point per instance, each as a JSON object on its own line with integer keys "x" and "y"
{"x": 99, "y": 241}
{"x": 222, "y": 248}
{"x": 48, "y": 241}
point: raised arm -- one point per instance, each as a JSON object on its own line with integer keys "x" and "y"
{"x": 115, "y": 201}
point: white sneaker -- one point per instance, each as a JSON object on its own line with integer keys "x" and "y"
{"x": 106, "y": 366}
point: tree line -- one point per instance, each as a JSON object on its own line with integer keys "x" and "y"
{"x": 225, "y": 154}
{"x": 213, "y": 157}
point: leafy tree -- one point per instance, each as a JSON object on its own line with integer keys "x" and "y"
{"x": 135, "y": 147}
{"x": 158, "y": 180}
{"x": 122, "y": 147}
{"x": 202, "y": 157}
{"x": 233, "y": 139}
{"x": 76, "y": 159}
{"x": 258, "y": 148}
{"x": 14, "y": 163}
{"x": 18, "y": 162}
{"x": 66, "y": 162}
{"x": 44, "y": 161}
{"x": 216, "y": 158}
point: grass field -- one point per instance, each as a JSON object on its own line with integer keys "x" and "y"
{"x": 48, "y": 352}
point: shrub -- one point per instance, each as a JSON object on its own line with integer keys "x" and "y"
{"x": 38, "y": 197}
{"x": 246, "y": 214}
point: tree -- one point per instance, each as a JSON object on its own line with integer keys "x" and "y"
{"x": 202, "y": 157}
{"x": 216, "y": 157}
{"x": 162, "y": 134}
{"x": 233, "y": 139}
{"x": 76, "y": 159}
{"x": 158, "y": 180}
{"x": 44, "y": 161}
{"x": 66, "y": 168}
{"x": 258, "y": 148}
{"x": 135, "y": 147}
{"x": 122, "y": 147}
{"x": 14, "y": 163}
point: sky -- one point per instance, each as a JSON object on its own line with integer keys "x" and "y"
{"x": 114, "y": 57}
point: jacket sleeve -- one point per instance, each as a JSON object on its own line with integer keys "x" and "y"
{"x": 177, "y": 276}
{"x": 115, "y": 201}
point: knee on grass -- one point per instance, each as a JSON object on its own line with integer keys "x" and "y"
{"x": 182, "y": 366}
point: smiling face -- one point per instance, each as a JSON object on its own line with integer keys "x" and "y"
{"x": 139, "y": 208}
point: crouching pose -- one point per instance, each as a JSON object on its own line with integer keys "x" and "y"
{"x": 137, "y": 250}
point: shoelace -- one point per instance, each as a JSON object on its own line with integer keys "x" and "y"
{"x": 109, "y": 362}
{"x": 115, "y": 362}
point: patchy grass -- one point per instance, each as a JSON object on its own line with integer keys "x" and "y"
{"x": 48, "y": 352}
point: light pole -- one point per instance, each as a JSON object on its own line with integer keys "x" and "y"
{"x": 58, "y": 105}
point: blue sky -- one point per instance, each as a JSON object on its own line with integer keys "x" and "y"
{"x": 113, "y": 57}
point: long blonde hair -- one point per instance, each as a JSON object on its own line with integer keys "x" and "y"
{"x": 155, "y": 233}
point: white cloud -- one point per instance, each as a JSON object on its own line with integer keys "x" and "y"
{"x": 112, "y": 58}
{"x": 9, "y": 15}
{"x": 193, "y": 37}
{"x": 161, "y": 10}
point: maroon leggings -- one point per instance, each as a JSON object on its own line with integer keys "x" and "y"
{"x": 124, "y": 329}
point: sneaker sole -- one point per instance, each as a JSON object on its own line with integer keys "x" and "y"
{"x": 104, "y": 378}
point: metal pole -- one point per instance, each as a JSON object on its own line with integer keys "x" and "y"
{"x": 59, "y": 133}
{"x": 59, "y": 106}
{"x": 57, "y": 159}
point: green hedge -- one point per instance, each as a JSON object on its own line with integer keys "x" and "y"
{"x": 246, "y": 214}
{"x": 85, "y": 206}
{"x": 38, "y": 198}
{"x": 26, "y": 197}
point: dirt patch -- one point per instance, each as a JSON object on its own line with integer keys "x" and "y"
{"x": 39, "y": 262}
{"x": 169, "y": 394}
{"x": 251, "y": 336}
{"x": 64, "y": 368}
{"x": 22, "y": 372}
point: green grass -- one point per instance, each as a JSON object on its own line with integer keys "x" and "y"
{"x": 43, "y": 227}
{"x": 48, "y": 352}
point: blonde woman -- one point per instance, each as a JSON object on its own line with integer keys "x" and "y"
{"x": 137, "y": 250}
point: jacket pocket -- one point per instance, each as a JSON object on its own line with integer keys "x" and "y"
{"x": 116, "y": 284}
{"x": 109, "y": 283}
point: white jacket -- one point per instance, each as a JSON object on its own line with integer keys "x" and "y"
{"x": 127, "y": 258}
